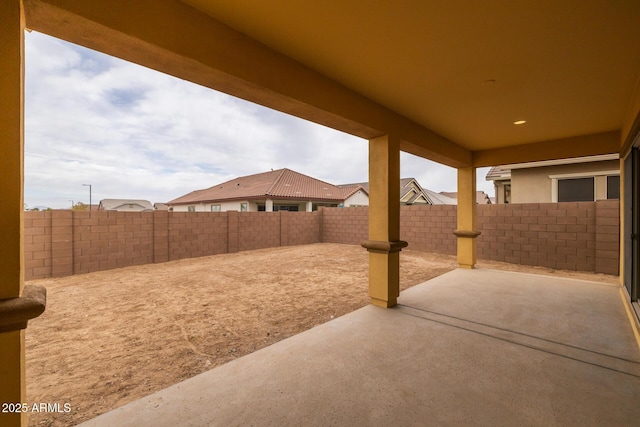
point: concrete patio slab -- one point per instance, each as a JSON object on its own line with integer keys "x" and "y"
{"x": 471, "y": 347}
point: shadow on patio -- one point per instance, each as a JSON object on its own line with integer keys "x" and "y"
{"x": 474, "y": 347}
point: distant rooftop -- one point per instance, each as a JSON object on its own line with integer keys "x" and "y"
{"x": 278, "y": 184}
{"x": 116, "y": 204}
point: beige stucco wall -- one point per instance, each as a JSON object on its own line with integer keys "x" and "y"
{"x": 358, "y": 199}
{"x": 225, "y": 206}
{"x": 252, "y": 206}
{"x": 302, "y": 206}
{"x": 499, "y": 190}
{"x": 533, "y": 185}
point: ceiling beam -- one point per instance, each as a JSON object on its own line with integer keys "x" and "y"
{"x": 580, "y": 146}
{"x": 171, "y": 37}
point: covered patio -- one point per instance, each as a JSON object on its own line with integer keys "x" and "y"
{"x": 470, "y": 347}
{"x": 465, "y": 84}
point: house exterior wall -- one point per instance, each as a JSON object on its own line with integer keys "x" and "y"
{"x": 302, "y": 205}
{"x": 533, "y": 185}
{"x": 224, "y": 206}
{"x": 126, "y": 207}
{"x": 359, "y": 198}
{"x": 252, "y": 205}
{"x": 500, "y": 191}
{"x": 573, "y": 236}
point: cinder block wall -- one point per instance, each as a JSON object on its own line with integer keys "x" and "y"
{"x": 62, "y": 243}
{"x": 426, "y": 228}
{"x": 345, "y": 225}
{"x": 570, "y": 236}
{"x": 553, "y": 235}
{"x": 258, "y": 230}
{"x": 429, "y": 228}
{"x": 106, "y": 240}
{"x": 607, "y": 253}
{"x": 196, "y": 234}
{"x": 299, "y": 228}
{"x": 37, "y": 244}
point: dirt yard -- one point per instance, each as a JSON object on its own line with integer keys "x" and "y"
{"x": 111, "y": 337}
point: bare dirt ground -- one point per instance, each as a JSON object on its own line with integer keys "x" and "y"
{"x": 111, "y": 337}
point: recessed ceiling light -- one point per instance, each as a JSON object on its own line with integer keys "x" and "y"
{"x": 519, "y": 122}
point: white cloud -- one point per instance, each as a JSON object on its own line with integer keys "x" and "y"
{"x": 132, "y": 132}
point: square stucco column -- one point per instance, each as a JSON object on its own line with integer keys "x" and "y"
{"x": 466, "y": 231}
{"x": 17, "y": 305}
{"x": 384, "y": 244}
{"x": 12, "y": 376}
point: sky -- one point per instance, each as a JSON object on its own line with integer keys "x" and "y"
{"x": 134, "y": 133}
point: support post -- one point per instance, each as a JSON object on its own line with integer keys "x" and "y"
{"x": 12, "y": 368}
{"x": 466, "y": 231}
{"x": 384, "y": 244}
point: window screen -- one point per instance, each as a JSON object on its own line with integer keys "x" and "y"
{"x": 613, "y": 187}
{"x": 575, "y": 190}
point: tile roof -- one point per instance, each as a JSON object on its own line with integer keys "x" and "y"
{"x": 498, "y": 173}
{"x": 278, "y": 184}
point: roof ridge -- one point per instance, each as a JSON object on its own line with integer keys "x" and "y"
{"x": 353, "y": 191}
{"x": 315, "y": 179}
{"x": 275, "y": 182}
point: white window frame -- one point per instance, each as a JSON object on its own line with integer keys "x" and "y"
{"x": 219, "y": 208}
{"x": 555, "y": 178}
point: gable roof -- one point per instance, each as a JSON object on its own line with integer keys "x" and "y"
{"x": 440, "y": 199}
{"x": 408, "y": 185}
{"x": 113, "y": 204}
{"x": 278, "y": 184}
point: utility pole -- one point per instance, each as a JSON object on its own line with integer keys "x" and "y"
{"x": 88, "y": 185}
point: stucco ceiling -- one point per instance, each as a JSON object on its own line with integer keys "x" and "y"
{"x": 464, "y": 69}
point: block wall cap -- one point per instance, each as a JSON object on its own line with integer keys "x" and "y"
{"x": 384, "y": 246}
{"x": 466, "y": 233}
{"x": 16, "y": 312}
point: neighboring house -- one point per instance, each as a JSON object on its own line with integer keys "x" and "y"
{"x": 412, "y": 193}
{"x": 125, "y": 205}
{"x": 161, "y": 206}
{"x": 279, "y": 190}
{"x": 482, "y": 198}
{"x": 579, "y": 179}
